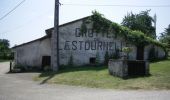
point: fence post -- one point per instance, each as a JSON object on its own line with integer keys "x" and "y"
{"x": 10, "y": 70}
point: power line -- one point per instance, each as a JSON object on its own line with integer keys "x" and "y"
{"x": 12, "y": 10}
{"x": 116, "y": 5}
{"x": 26, "y": 23}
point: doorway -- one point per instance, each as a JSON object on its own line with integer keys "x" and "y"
{"x": 140, "y": 53}
{"x": 46, "y": 61}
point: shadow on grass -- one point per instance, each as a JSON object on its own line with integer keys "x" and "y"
{"x": 38, "y": 71}
{"x": 137, "y": 76}
{"x": 51, "y": 74}
{"x": 158, "y": 60}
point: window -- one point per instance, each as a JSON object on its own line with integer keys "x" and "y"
{"x": 92, "y": 60}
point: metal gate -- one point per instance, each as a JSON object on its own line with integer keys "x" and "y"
{"x": 136, "y": 68}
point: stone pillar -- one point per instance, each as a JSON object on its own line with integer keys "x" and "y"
{"x": 147, "y": 70}
{"x": 118, "y": 68}
{"x": 125, "y": 69}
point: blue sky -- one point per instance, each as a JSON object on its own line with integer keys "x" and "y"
{"x": 30, "y": 20}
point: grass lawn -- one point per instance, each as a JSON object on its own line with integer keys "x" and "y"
{"x": 98, "y": 77}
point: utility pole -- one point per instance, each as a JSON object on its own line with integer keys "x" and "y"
{"x": 55, "y": 39}
{"x": 155, "y": 19}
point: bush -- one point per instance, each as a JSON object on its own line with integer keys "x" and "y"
{"x": 97, "y": 58}
{"x": 6, "y": 55}
{"x": 47, "y": 68}
{"x": 18, "y": 68}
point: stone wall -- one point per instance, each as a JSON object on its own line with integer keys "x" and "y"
{"x": 85, "y": 46}
{"x": 118, "y": 68}
{"x": 128, "y": 68}
{"x": 159, "y": 51}
{"x": 132, "y": 54}
{"x": 31, "y": 54}
{"x": 82, "y": 47}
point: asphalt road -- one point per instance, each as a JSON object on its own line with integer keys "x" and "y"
{"x": 21, "y": 87}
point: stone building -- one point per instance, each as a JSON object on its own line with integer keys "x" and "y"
{"x": 82, "y": 49}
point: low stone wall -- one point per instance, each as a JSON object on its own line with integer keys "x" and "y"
{"x": 118, "y": 68}
{"x": 122, "y": 68}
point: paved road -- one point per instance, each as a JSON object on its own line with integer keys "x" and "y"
{"x": 21, "y": 87}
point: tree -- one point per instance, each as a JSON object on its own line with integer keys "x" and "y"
{"x": 141, "y": 22}
{"x": 4, "y": 44}
{"x": 4, "y": 49}
{"x": 165, "y": 36}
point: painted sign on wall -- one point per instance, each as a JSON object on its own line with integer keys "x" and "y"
{"x": 92, "y": 41}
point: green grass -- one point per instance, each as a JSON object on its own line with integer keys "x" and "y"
{"x": 1, "y": 60}
{"x": 98, "y": 77}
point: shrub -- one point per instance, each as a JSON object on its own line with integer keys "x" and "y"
{"x": 106, "y": 57}
{"x": 18, "y": 68}
{"x": 47, "y": 68}
{"x": 97, "y": 58}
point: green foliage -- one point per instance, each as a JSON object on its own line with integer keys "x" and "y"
{"x": 18, "y": 68}
{"x": 106, "y": 58}
{"x": 47, "y": 68}
{"x": 165, "y": 37}
{"x": 116, "y": 54}
{"x": 127, "y": 49}
{"x": 83, "y": 28}
{"x": 5, "y": 52}
{"x": 97, "y": 58}
{"x": 4, "y": 43}
{"x": 141, "y": 22}
{"x": 101, "y": 24}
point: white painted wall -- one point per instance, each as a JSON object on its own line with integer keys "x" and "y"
{"x": 31, "y": 53}
{"x": 159, "y": 50}
{"x": 81, "y": 57}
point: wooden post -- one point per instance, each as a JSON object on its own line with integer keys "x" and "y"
{"x": 10, "y": 69}
{"x": 55, "y": 39}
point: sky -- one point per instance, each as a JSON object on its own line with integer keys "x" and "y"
{"x": 30, "y": 20}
